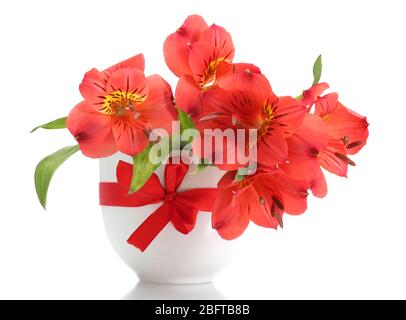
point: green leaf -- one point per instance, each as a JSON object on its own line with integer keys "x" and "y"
{"x": 186, "y": 121}
{"x": 56, "y": 124}
{"x": 46, "y": 169}
{"x": 143, "y": 167}
{"x": 317, "y": 69}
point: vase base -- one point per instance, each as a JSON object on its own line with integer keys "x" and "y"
{"x": 169, "y": 281}
{"x": 153, "y": 291}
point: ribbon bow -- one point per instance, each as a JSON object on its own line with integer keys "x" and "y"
{"x": 180, "y": 208}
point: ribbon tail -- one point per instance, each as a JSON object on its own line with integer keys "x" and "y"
{"x": 184, "y": 217}
{"x": 150, "y": 228}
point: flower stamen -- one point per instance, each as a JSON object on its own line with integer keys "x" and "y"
{"x": 267, "y": 116}
{"x": 117, "y": 102}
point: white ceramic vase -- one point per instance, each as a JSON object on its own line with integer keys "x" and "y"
{"x": 172, "y": 257}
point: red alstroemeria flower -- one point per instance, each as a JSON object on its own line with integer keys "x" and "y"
{"x": 343, "y": 123}
{"x": 311, "y": 148}
{"x": 120, "y": 108}
{"x": 195, "y": 53}
{"x": 251, "y": 104}
{"x": 261, "y": 198}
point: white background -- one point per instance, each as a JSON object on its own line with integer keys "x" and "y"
{"x": 349, "y": 245}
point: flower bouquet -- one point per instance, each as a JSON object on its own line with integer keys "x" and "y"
{"x": 222, "y": 151}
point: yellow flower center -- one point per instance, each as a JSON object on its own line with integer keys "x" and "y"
{"x": 119, "y": 101}
{"x": 209, "y": 76}
{"x": 267, "y": 118}
{"x": 326, "y": 117}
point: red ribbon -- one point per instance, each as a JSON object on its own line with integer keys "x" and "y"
{"x": 180, "y": 208}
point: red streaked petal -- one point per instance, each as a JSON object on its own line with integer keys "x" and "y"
{"x": 251, "y": 199}
{"x": 288, "y": 115}
{"x": 128, "y": 80}
{"x": 224, "y": 201}
{"x": 248, "y": 79}
{"x": 294, "y": 193}
{"x": 326, "y": 104}
{"x": 235, "y": 228}
{"x": 309, "y": 139}
{"x": 92, "y": 130}
{"x": 93, "y": 88}
{"x": 203, "y": 58}
{"x": 158, "y": 110}
{"x": 329, "y": 160}
{"x": 216, "y": 101}
{"x": 176, "y": 51}
{"x": 136, "y": 62}
{"x": 347, "y": 125}
{"x": 188, "y": 96}
{"x": 310, "y": 171}
{"x": 272, "y": 149}
{"x": 226, "y": 69}
{"x": 241, "y": 107}
{"x": 227, "y": 218}
{"x": 129, "y": 135}
{"x": 193, "y": 27}
{"x": 176, "y": 46}
{"x": 221, "y": 39}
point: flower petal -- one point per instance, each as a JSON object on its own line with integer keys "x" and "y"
{"x": 326, "y": 104}
{"x": 333, "y": 158}
{"x": 129, "y": 135}
{"x": 318, "y": 184}
{"x": 218, "y": 37}
{"x": 188, "y": 97}
{"x": 272, "y": 149}
{"x": 312, "y": 94}
{"x": 248, "y": 78}
{"x": 93, "y": 88}
{"x": 136, "y": 62}
{"x": 176, "y": 46}
{"x": 227, "y": 218}
{"x": 288, "y": 115}
{"x": 309, "y": 139}
{"x": 128, "y": 80}
{"x": 348, "y": 126}
{"x": 250, "y": 201}
{"x": 310, "y": 171}
{"x": 92, "y": 130}
{"x": 204, "y": 59}
{"x": 226, "y": 69}
{"x": 293, "y": 191}
{"x": 158, "y": 110}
